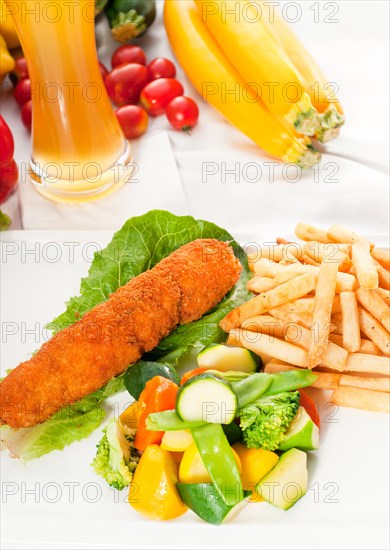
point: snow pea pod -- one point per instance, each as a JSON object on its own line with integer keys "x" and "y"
{"x": 219, "y": 461}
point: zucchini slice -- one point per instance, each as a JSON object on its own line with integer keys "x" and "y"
{"x": 205, "y": 501}
{"x": 225, "y": 358}
{"x": 207, "y": 398}
{"x": 138, "y": 375}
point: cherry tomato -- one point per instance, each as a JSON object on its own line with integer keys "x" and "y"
{"x": 26, "y": 115}
{"x": 161, "y": 68}
{"x": 125, "y": 82}
{"x": 6, "y": 142}
{"x": 8, "y": 179}
{"x": 128, "y": 53}
{"x": 20, "y": 71}
{"x": 158, "y": 93}
{"x": 133, "y": 120}
{"x": 182, "y": 113}
{"x": 22, "y": 92}
{"x": 103, "y": 70}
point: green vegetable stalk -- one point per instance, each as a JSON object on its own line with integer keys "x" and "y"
{"x": 130, "y": 18}
{"x": 219, "y": 461}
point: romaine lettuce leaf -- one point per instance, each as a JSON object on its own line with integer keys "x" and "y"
{"x": 141, "y": 243}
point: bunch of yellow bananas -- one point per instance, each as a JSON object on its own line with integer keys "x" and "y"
{"x": 8, "y": 40}
{"x": 256, "y": 73}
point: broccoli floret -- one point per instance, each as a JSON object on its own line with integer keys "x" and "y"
{"x": 110, "y": 461}
{"x": 265, "y": 421}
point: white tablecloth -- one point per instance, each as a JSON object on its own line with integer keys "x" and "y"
{"x": 221, "y": 176}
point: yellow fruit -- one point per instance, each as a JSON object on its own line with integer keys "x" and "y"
{"x": 256, "y": 463}
{"x": 317, "y": 85}
{"x": 221, "y": 86}
{"x": 177, "y": 441}
{"x": 7, "y": 62}
{"x": 260, "y": 60}
{"x": 7, "y": 27}
{"x": 153, "y": 491}
{"x": 192, "y": 469}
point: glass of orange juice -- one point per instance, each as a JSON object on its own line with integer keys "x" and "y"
{"x": 79, "y": 152}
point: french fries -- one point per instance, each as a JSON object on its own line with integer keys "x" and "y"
{"x": 328, "y": 252}
{"x": 339, "y": 234}
{"x": 359, "y": 398}
{"x": 374, "y": 330}
{"x": 266, "y": 324}
{"x": 261, "y": 284}
{"x": 350, "y": 321}
{"x": 307, "y": 232}
{"x": 363, "y": 362}
{"x": 366, "y": 346}
{"x": 282, "y": 273}
{"x": 383, "y": 276}
{"x": 372, "y": 302}
{"x": 384, "y": 294}
{"x": 366, "y": 270}
{"x": 293, "y": 289}
{"x": 323, "y": 303}
{"x": 334, "y": 357}
{"x": 268, "y": 345}
{"x": 330, "y": 316}
{"x": 382, "y": 257}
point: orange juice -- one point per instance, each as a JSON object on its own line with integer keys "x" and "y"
{"x": 78, "y": 148}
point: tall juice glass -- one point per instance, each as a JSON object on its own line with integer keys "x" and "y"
{"x": 78, "y": 149}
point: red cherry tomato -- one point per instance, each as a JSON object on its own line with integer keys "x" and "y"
{"x": 6, "y": 142}
{"x": 22, "y": 92}
{"x": 182, "y": 113}
{"x": 133, "y": 120}
{"x": 26, "y": 115}
{"x": 128, "y": 53}
{"x": 103, "y": 70}
{"x": 125, "y": 82}
{"x": 161, "y": 68}
{"x": 20, "y": 71}
{"x": 8, "y": 179}
{"x": 156, "y": 96}
{"x": 310, "y": 407}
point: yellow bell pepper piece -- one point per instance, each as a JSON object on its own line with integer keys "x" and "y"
{"x": 192, "y": 469}
{"x": 130, "y": 417}
{"x": 7, "y": 62}
{"x": 153, "y": 491}
{"x": 177, "y": 441}
{"x": 256, "y": 463}
{"x": 7, "y": 27}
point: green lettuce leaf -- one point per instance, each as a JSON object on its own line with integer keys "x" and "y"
{"x": 141, "y": 243}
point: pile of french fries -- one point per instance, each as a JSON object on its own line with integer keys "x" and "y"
{"x": 323, "y": 304}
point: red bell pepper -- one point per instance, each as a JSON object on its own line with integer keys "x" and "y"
{"x": 158, "y": 395}
{"x": 310, "y": 407}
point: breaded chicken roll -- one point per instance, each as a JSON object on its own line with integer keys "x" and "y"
{"x": 85, "y": 356}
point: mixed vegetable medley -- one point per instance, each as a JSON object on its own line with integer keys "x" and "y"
{"x": 224, "y": 435}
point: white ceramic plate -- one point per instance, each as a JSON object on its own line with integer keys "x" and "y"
{"x": 58, "y": 502}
